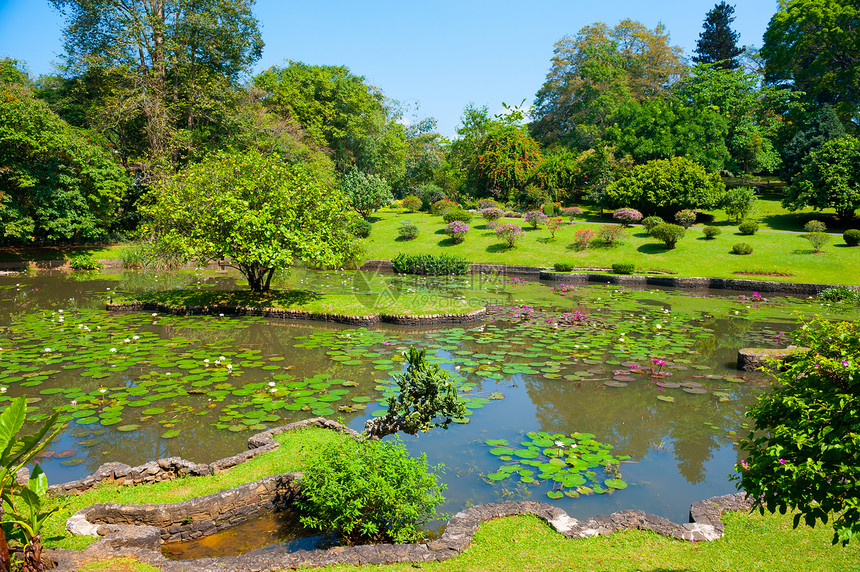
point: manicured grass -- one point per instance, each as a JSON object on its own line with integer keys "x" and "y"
{"x": 693, "y": 256}
{"x": 38, "y": 253}
{"x": 296, "y": 447}
{"x": 352, "y": 304}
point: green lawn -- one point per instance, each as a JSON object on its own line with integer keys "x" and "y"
{"x": 693, "y": 256}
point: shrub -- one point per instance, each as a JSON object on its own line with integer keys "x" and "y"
{"x": 711, "y": 232}
{"x": 748, "y": 227}
{"x": 369, "y": 492}
{"x": 815, "y": 226}
{"x": 582, "y": 239}
{"x": 533, "y": 196}
{"x": 489, "y": 204}
{"x": 571, "y": 212}
{"x": 742, "y": 248}
{"x": 458, "y": 214}
{"x": 685, "y": 218}
{"x": 407, "y": 230}
{"x": 442, "y": 206}
{"x": 562, "y": 267}
{"x": 134, "y": 256}
{"x": 668, "y": 234}
{"x": 457, "y": 230}
{"x": 851, "y": 237}
{"x": 609, "y": 234}
{"x": 738, "y": 202}
{"x": 552, "y": 225}
{"x": 624, "y": 268}
{"x": 510, "y": 233}
{"x": 492, "y": 214}
{"x": 361, "y": 228}
{"x": 840, "y": 294}
{"x": 84, "y": 262}
{"x": 817, "y": 240}
{"x": 412, "y": 203}
{"x": 535, "y": 218}
{"x": 627, "y": 216}
{"x": 650, "y": 222}
{"x": 551, "y": 209}
{"x": 511, "y": 214}
{"x": 429, "y": 194}
{"x": 366, "y": 192}
{"x": 429, "y": 264}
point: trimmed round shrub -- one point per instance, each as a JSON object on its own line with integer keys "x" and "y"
{"x": 650, "y": 222}
{"x": 551, "y": 209}
{"x": 711, "y": 232}
{"x": 457, "y": 230}
{"x": 412, "y": 203}
{"x": 624, "y": 268}
{"x": 361, "y": 228}
{"x": 817, "y": 240}
{"x": 562, "y": 267}
{"x": 571, "y": 212}
{"x": 685, "y": 218}
{"x": 407, "y": 230}
{"x": 742, "y": 248}
{"x": 748, "y": 227}
{"x": 510, "y": 233}
{"x": 84, "y": 262}
{"x": 459, "y": 214}
{"x": 851, "y": 237}
{"x": 815, "y": 226}
{"x": 535, "y": 218}
{"x": 492, "y": 214}
{"x": 489, "y": 204}
{"x": 442, "y": 206}
{"x": 627, "y": 216}
{"x": 668, "y": 234}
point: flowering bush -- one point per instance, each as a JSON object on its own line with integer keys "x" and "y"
{"x": 492, "y": 214}
{"x": 457, "y": 230}
{"x": 511, "y": 214}
{"x": 510, "y": 233}
{"x": 627, "y": 216}
{"x": 552, "y": 225}
{"x": 442, "y": 206}
{"x": 582, "y": 239}
{"x": 488, "y": 204}
{"x": 535, "y": 218}
{"x": 412, "y": 203}
{"x": 407, "y": 231}
{"x": 571, "y": 212}
{"x": 609, "y": 234}
{"x": 685, "y": 218}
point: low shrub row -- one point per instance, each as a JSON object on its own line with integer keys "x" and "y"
{"x": 429, "y": 264}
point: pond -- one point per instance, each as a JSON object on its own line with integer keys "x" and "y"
{"x": 580, "y": 361}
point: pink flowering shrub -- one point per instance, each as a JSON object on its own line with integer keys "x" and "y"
{"x": 457, "y": 230}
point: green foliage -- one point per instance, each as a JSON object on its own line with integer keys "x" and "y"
{"x": 57, "y": 183}
{"x": 572, "y": 212}
{"x": 550, "y": 208}
{"x": 840, "y": 294}
{"x": 505, "y": 161}
{"x": 561, "y": 173}
{"x": 412, "y": 203}
{"x": 457, "y": 213}
{"x": 650, "y": 222}
{"x": 429, "y": 264}
{"x": 33, "y": 494}
{"x": 610, "y": 234}
{"x": 830, "y": 178}
{"x": 407, "y": 231}
{"x": 552, "y": 225}
{"x": 135, "y": 256}
{"x": 666, "y": 186}
{"x": 563, "y": 267}
{"x": 851, "y": 237}
{"x": 803, "y": 453}
{"x": 84, "y": 262}
{"x": 711, "y": 232}
{"x": 668, "y": 234}
{"x": 685, "y": 218}
{"x": 815, "y": 226}
{"x": 742, "y": 249}
{"x": 738, "y": 202}
{"x": 370, "y": 492}
{"x": 427, "y": 398}
{"x": 253, "y": 209}
{"x": 429, "y": 195}
{"x": 361, "y": 228}
{"x": 442, "y": 206}
{"x": 510, "y": 233}
{"x": 817, "y": 240}
{"x": 366, "y": 193}
{"x": 535, "y": 219}
{"x": 823, "y": 126}
{"x": 623, "y": 267}
{"x": 748, "y": 227}
{"x": 718, "y": 43}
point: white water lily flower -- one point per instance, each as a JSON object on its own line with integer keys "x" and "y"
{"x": 135, "y": 338}
{"x": 273, "y": 390}
{"x": 271, "y": 384}
{"x": 559, "y": 444}
{"x": 47, "y": 350}
{"x": 3, "y": 389}
{"x": 102, "y": 390}
{"x": 74, "y": 402}
{"x": 113, "y": 350}
{"x": 659, "y": 327}
{"x": 128, "y": 340}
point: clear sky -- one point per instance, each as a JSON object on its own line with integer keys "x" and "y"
{"x": 433, "y": 55}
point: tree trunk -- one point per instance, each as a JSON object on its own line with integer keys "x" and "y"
{"x": 5, "y": 561}
{"x": 33, "y": 555}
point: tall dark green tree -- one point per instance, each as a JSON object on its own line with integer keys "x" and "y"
{"x": 718, "y": 43}
{"x": 823, "y": 126}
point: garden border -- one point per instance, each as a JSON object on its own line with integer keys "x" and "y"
{"x": 143, "y": 542}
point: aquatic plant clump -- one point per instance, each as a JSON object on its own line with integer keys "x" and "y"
{"x": 573, "y": 465}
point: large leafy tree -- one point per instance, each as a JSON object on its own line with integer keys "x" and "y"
{"x": 804, "y": 452}
{"x": 823, "y": 126}
{"x": 505, "y": 163}
{"x": 830, "y": 179}
{"x": 167, "y": 64}
{"x": 253, "y": 209}
{"x": 57, "y": 183}
{"x": 814, "y": 47}
{"x": 718, "y": 43}
{"x": 340, "y": 110}
{"x": 593, "y": 73}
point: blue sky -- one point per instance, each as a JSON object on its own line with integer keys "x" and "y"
{"x": 433, "y": 55}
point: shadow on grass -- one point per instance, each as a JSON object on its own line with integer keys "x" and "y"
{"x": 499, "y": 247}
{"x": 440, "y": 231}
{"x": 445, "y": 242}
{"x": 404, "y": 239}
{"x": 653, "y": 248}
{"x": 796, "y": 221}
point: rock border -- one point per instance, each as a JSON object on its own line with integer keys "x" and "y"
{"x": 169, "y": 521}
{"x": 289, "y": 314}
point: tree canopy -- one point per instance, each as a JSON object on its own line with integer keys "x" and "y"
{"x": 830, "y": 178}
{"x": 718, "y": 43}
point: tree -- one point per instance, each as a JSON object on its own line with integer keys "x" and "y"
{"x": 57, "y": 183}
{"x": 813, "y": 46}
{"x": 339, "y": 110}
{"x": 172, "y": 61}
{"x": 595, "y": 72}
{"x": 506, "y": 161}
{"x": 665, "y": 186}
{"x": 718, "y": 43}
{"x": 254, "y": 209}
{"x": 823, "y": 126}
{"x": 803, "y": 453}
{"x": 830, "y": 179}
{"x": 366, "y": 193}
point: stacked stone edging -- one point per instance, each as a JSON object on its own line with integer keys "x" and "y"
{"x": 200, "y": 516}
{"x": 290, "y": 314}
{"x": 751, "y": 359}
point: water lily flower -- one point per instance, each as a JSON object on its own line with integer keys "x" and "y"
{"x": 128, "y": 340}
{"x": 3, "y": 389}
{"x": 271, "y": 384}
{"x": 113, "y": 350}
{"x": 658, "y": 326}
{"x": 559, "y": 444}
{"x": 47, "y": 350}
{"x": 845, "y": 363}
{"x": 782, "y": 461}
{"x": 102, "y": 390}
{"x": 273, "y": 390}
{"x": 154, "y": 314}
{"x": 74, "y": 402}
{"x": 135, "y": 338}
